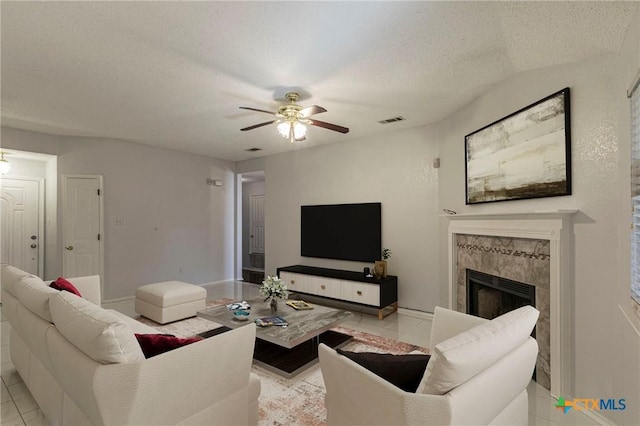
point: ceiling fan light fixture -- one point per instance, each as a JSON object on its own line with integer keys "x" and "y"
{"x": 283, "y": 129}
{"x": 299, "y": 130}
{"x": 292, "y": 130}
{"x": 5, "y": 165}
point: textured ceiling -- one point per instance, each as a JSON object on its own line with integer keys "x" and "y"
{"x": 173, "y": 74}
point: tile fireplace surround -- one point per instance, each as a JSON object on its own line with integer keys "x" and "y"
{"x": 531, "y": 248}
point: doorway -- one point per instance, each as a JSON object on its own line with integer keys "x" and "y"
{"x": 22, "y": 223}
{"x": 82, "y": 226}
{"x": 253, "y": 226}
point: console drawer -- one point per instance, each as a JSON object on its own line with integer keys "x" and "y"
{"x": 327, "y": 287}
{"x": 366, "y": 294}
{"x": 296, "y": 282}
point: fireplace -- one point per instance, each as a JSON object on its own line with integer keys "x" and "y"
{"x": 489, "y": 296}
{"x": 534, "y": 249}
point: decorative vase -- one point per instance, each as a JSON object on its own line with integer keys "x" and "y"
{"x": 380, "y": 269}
{"x": 273, "y": 305}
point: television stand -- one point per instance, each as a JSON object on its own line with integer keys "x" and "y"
{"x": 345, "y": 286}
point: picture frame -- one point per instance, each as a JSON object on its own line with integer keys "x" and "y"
{"x": 524, "y": 155}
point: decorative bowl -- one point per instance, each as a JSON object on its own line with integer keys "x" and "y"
{"x": 241, "y": 315}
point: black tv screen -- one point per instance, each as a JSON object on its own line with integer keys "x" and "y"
{"x": 342, "y": 231}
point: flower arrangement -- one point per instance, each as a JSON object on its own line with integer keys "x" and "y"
{"x": 274, "y": 288}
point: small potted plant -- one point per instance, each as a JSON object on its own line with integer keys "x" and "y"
{"x": 273, "y": 289}
{"x": 380, "y": 267}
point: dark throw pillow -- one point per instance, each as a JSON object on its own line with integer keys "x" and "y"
{"x": 156, "y": 344}
{"x": 403, "y": 371}
{"x": 63, "y": 284}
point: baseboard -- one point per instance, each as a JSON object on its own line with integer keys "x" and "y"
{"x": 416, "y": 314}
{"x": 121, "y": 299}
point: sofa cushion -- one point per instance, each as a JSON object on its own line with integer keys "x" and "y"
{"x": 456, "y": 360}
{"x": 34, "y": 295}
{"x": 156, "y": 344}
{"x": 95, "y": 331}
{"x": 403, "y": 371}
{"x": 64, "y": 285}
{"x": 10, "y": 276}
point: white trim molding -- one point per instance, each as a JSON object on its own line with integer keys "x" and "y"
{"x": 556, "y": 227}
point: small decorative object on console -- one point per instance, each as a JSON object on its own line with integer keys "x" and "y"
{"x": 380, "y": 268}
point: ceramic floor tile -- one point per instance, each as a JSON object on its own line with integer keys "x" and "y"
{"x": 4, "y": 393}
{"x": 22, "y": 398}
{"x": 10, "y": 414}
{"x": 9, "y": 373}
{"x": 35, "y": 418}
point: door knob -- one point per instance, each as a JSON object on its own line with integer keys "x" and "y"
{"x": 33, "y": 237}
{"x": 33, "y": 246}
{"x": 69, "y": 247}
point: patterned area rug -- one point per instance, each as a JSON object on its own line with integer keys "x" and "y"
{"x": 299, "y": 400}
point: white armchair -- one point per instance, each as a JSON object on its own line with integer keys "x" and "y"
{"x": 478, "y": 374}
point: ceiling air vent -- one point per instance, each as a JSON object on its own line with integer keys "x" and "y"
{"x": 253, "y": 149}
{"x": 392, "y": 120}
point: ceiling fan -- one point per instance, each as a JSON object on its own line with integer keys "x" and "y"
{"x": 292, "y": 119}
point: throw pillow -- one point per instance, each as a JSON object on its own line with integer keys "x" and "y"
{"x": 64, "y": 285}
{"x": 403, "y": 371}
{"x": 156, "y": 344}
{"x": 458, "y": 359}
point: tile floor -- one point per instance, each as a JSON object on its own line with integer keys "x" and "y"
{"x": 19, "y": 407}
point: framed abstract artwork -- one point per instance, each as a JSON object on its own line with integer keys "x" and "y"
{"x": 524, "y": 155}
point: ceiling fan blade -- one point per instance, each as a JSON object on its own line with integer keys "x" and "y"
{"x": 329, "y": 126}
{"x": 259, "y": 110}
{"x": 255, "y": 126}
{"x": 313, "y": 109}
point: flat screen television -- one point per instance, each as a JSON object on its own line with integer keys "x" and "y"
{"x": 342, "y": 231}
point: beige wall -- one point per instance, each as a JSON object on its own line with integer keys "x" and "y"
{"x": 606, "y": 348}
{"x": 175, "y": 227}
{"x": 395, "y": 169}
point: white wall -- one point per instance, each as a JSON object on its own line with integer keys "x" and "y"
{"x": 175, "y": 226}
{"x": 395, "y": 169}
{"x": 597, "y": 152}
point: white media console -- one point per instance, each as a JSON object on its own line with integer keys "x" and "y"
{"x": 347, "y": 286}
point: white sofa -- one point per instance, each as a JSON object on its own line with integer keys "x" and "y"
{"x": 83, "y": 364}
{"x": 478, "y": 374}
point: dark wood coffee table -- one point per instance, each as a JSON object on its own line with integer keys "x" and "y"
{"x": 286, "y": 351}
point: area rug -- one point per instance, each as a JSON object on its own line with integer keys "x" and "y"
{"x": 298, "y": 401}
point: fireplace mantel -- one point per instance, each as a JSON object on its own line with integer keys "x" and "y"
{"x": 556, "y": 226}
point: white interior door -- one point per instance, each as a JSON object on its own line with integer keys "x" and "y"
{"x": 256, "y": 223}
{"x": 82, "y": 226}
{"x": 21, "y": 224}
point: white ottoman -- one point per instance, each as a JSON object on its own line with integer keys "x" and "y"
{"x": 170, "y": 301}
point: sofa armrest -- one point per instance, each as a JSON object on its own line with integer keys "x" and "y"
{"x": 206, "y": 382}
{"x": 355, "y": 396}
{"x": 447, "y": 324}
{"x": 89, "y": 288}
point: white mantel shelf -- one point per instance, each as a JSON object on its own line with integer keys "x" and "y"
{"x": 556, "y": 226}
{"x": 537, "y": 214}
